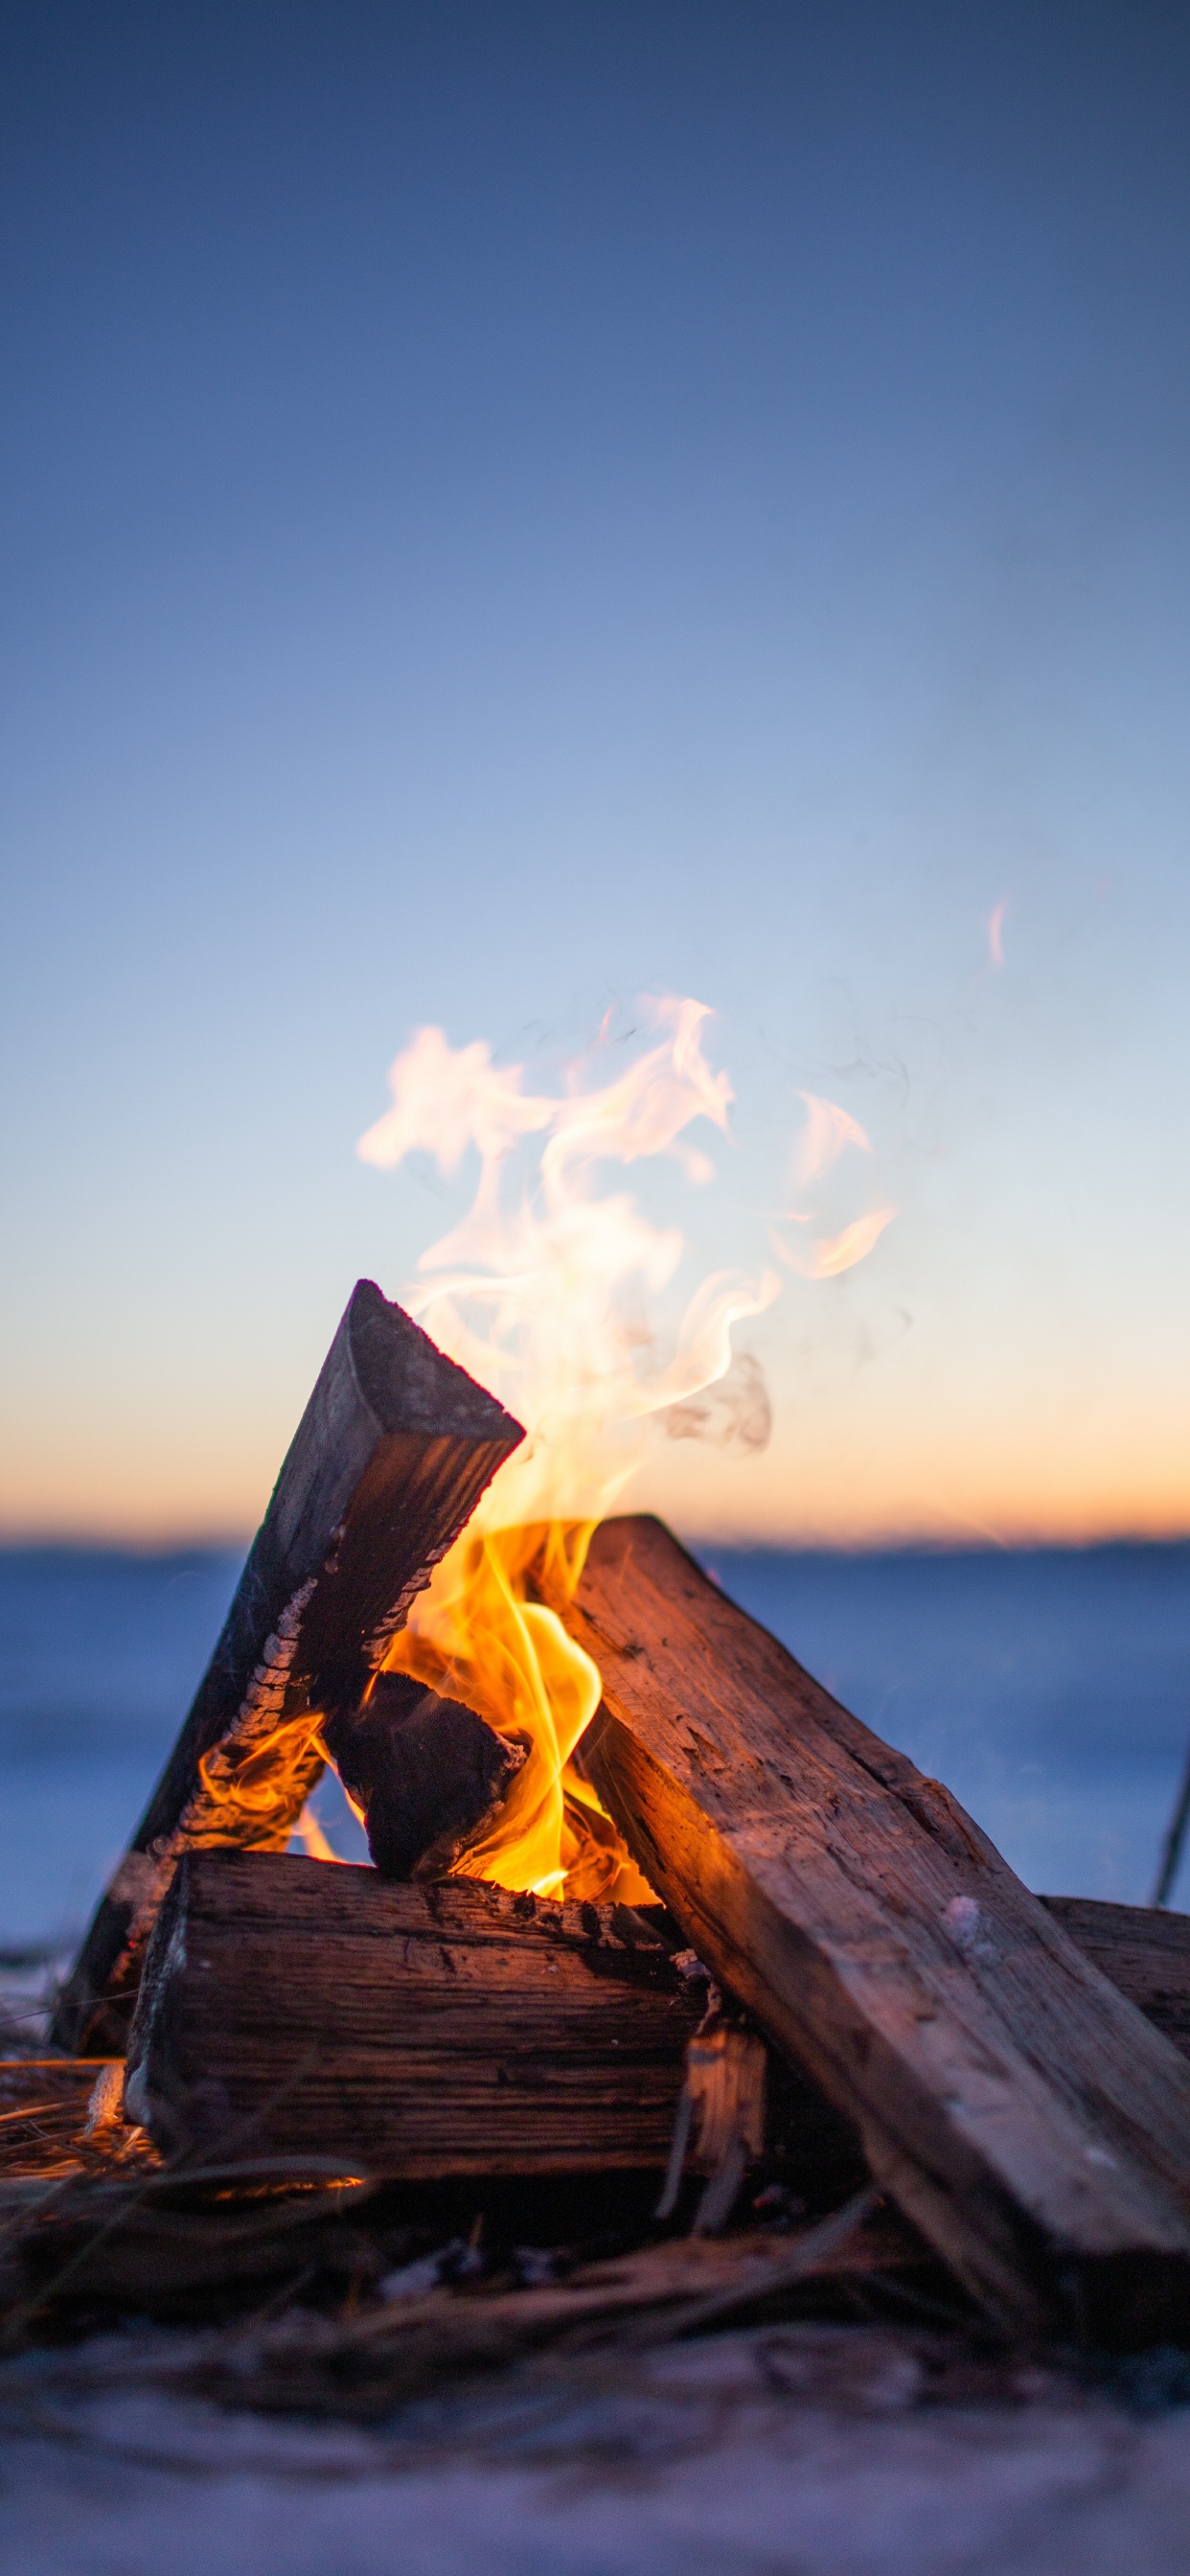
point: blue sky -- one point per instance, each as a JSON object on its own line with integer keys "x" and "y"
{"x": 507, "y": 509}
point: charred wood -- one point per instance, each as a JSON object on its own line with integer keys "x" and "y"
{"x": 389, "y": 1460}
{"x": 428, "y": 1774}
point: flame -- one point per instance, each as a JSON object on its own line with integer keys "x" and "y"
{"x": 549, "y": 1295}
{"x": 312, "y": 1838}
{"x": 838, "y": 1252}
{"x": 545, "y": 1298}
{"x": 826, "y": 1133}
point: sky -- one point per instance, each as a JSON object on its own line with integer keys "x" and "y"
{"x": 507, "y": 510}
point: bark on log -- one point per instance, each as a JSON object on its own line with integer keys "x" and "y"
{"x": 294, "y": 2006}
{"x": 1144, "y": 1949}
{"x": 428, "y": 1773}
{"x": 389, "y": 1460}
{"x": 1027, "y": 2119}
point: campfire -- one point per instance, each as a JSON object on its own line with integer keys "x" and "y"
{"x": 650, "y": 1916}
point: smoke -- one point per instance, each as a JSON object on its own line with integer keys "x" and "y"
{"x": 735, "y": 1413}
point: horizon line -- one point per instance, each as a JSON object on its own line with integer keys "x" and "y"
{"x": 703, "y": 1544}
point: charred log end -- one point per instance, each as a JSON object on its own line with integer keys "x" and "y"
{"x": 429, "y": 1775}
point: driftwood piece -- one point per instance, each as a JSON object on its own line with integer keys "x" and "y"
{"x": 149, "y": 2242}
{"x": 1142, "y": 1948}
{"x": 428, "y": 1774}
{"x": 595, "y": 2319}
{"x": 292, "y": 2005}
{"x": 175, "y": 2249}
{"x": 1024, "y": 2115}
{"x": 389, "y": 1460}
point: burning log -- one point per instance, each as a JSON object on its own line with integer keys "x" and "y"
{"x": 389, "y": 1460}
{"x": 1026, "y": 2118}
{"x": 291, "y": 2006}
{"x": 428, "y": 1773}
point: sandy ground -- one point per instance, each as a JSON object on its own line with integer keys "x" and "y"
{"x": 786, "y": 2453}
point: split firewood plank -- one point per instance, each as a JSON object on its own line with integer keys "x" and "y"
{"x": 389, "y": 1460}
{"x": 1145, "y": 1951}
{"x": 1021, "y": 2111}
{"x": 425, "y": 2031}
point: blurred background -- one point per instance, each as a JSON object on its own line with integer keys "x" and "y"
{"x": 504, "y": 510}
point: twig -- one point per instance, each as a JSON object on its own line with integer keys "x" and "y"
{"x": 1171, "y": 1853}
{"x": 811, "y": 2250}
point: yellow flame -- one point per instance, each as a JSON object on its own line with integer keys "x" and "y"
{"x": 312, "y": 1838}
{"x": 828, "y": 1132}
{"x": 246, "y": 1793}
{"x": 548, "y": 1295}
{"x": 835, "y": 1253}
{"x": 545, "y": 1299}
{"x": 479, "y": 1635}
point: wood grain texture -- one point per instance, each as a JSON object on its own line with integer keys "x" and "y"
{"x": 291, "y": 2005}
{"x": 388, "y": 1462}
{"x": 1019, "y": 2109}
{"x": 1142, "y": 1948}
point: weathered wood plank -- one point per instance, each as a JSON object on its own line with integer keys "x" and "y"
{"x": 1144, "y": 1949}
{"x": 389, "y": 1460}
{"x": 1021, "y": 2111}
{"x": 292, "y": 2005}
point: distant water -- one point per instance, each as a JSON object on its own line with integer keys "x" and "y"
{"x": 1049, "y": 1689}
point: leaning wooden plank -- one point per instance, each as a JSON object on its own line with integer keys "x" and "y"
{"x": 293, "y": 2006}
{"x": 1143, "y": 1949}
{"x": 1023, "y": 2114}
{"x": 389, "y": 1460}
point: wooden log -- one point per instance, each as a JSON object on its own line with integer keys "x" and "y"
{"x": 423, "y": 2031}
{"x": 428, "y": 1774}
{"x": 389, "y": 1460}
{"x": 1144, "y": 1949}
{"x": 1024, "y": 2115}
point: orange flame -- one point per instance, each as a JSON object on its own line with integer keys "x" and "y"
{"x": 545, "y": 1301}
{"x": 549, "y": 1298}
{"x": 480, "y": 1636}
